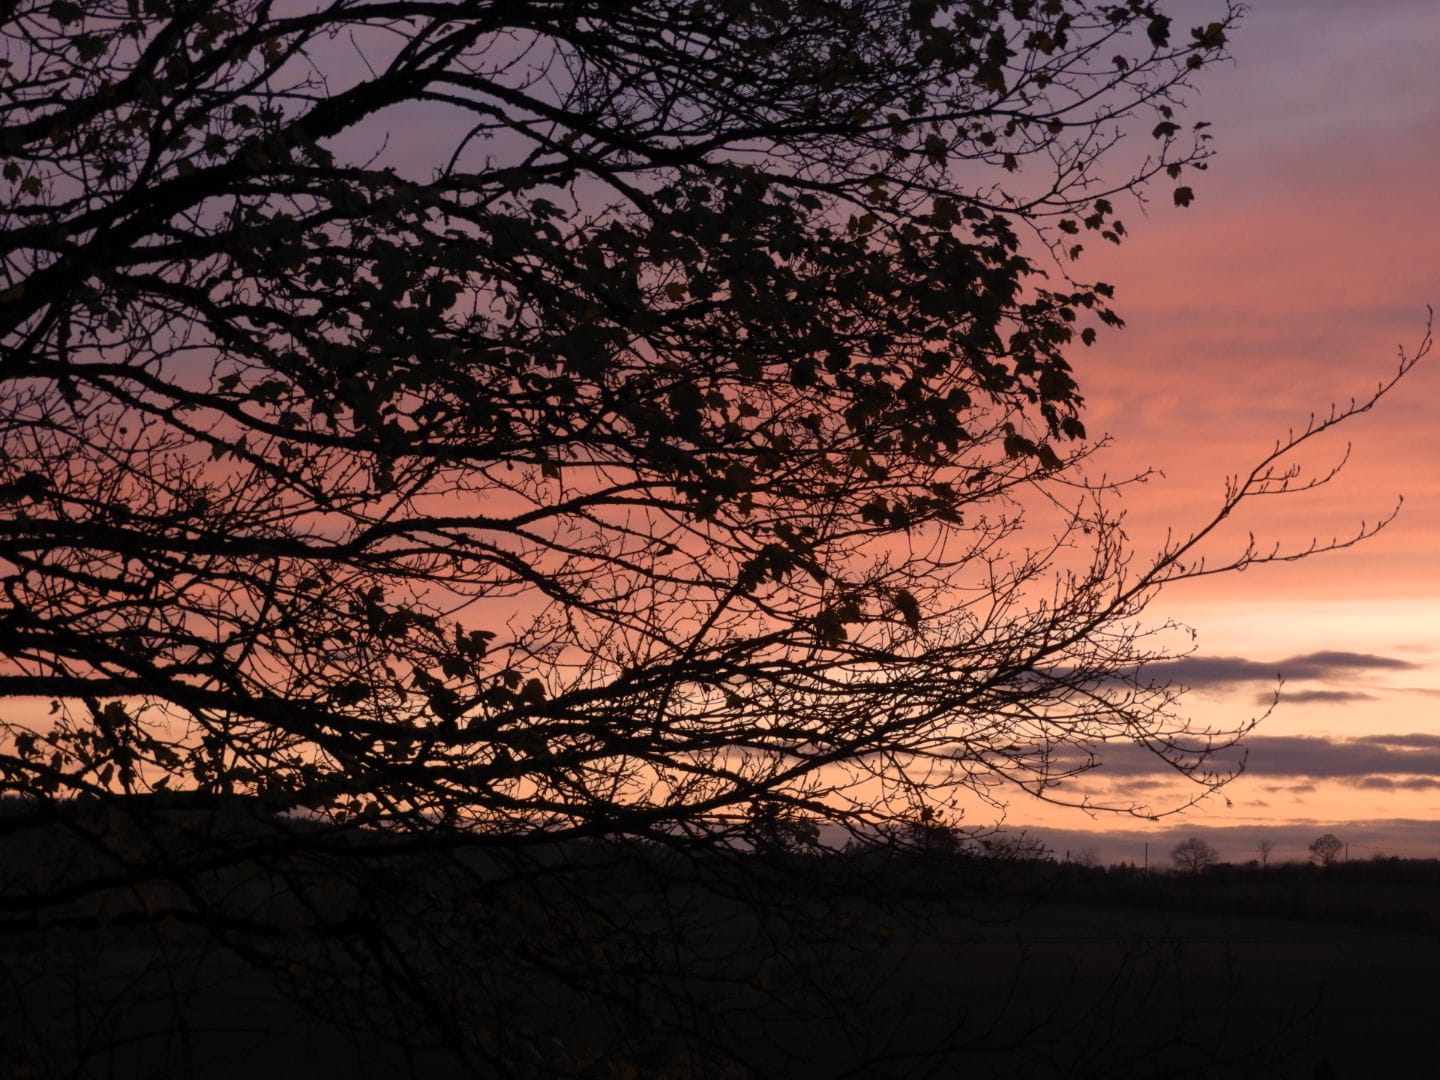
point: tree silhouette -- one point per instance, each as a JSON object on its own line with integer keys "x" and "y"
{"x": 643, "y": 456}
{"x": 1265, "y": 847}
{"x": 1326, "y": 849}
{"x": 1194, "y": 856}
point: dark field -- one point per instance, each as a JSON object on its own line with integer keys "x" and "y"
{"x": 825, "y": 984}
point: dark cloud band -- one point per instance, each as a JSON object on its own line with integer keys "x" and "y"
{"x": 1212, "y": 671}
{"x": 1313, "y": 757}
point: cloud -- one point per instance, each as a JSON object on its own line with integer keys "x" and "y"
{"x": 1417, "y": 738}
{"x": 1305, "y": 697}
{"x": 1147, "y": 785}
{"x": 1216, "y": 671}
{"x": 1390, "y": 783}
{"x": 1319, "y": 758}
{"x": 1289, "y": 789}
{"x": 1308, "y": 756}
{"x": 1328, "y": 662}
{"x": 1299, "y": 755}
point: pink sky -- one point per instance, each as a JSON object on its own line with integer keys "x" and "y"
{"x": 1307, "y": 258}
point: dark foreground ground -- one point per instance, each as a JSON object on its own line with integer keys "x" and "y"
{"x": 315, "y": 958}
{"x": 1058, "y": 990}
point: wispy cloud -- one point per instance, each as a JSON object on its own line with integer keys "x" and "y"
{"x": 1289, "y": 789}
{"x": 1425, "y": 739}
{"x": 1217, "y": 671}
{"x": 1306, "y": 697}
{"x": 1404, "y": 783}
{"x": 1302, "y": 756}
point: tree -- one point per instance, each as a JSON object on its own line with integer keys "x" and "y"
{"x": 583, "y": 464}
{"x": 1326, "y": 849}
{"x": 1194, "y": 856}
{"x": 645, "y": 456}
{"x": 774, "y": 831}
{"x": 1265, "y": 847}
{"x": 931, "y": 834}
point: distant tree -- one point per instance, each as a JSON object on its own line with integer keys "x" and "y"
{"x": 776, "y": 830}
{"x": 642, "y": 453}
{"x": 929, "y": 832}
{"x": 1194, "y": 856}
{"x": 1265, "y": 847}
{"x": 1326, "y": 849}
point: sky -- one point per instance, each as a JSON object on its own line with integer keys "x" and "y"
{"x": 1307, "y": 258}
{"x": 1306, "y": 261}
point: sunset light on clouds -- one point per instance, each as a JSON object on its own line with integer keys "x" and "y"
{"x": 1307, "y": 259}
